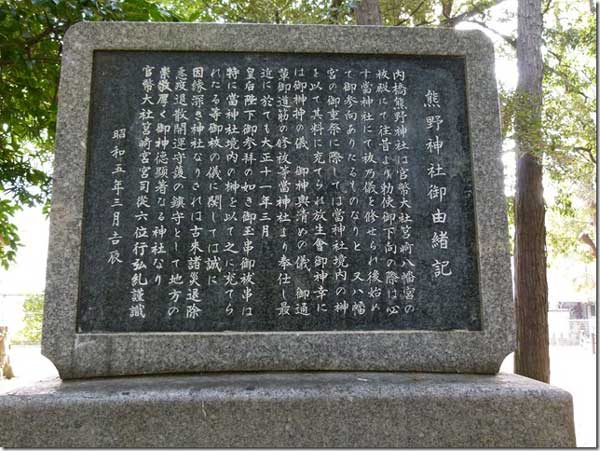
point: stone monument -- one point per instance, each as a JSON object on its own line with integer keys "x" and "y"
{"x": 238, "y": 199}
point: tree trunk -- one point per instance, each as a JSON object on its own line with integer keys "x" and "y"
{"x": 5, "y": 368}
{"x": 531, "y": 287}
{"x": 368, "y": 13}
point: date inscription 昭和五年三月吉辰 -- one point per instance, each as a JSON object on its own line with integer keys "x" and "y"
{"x": 278, "y": 192}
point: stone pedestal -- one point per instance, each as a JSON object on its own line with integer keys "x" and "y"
{"x": 358, "y": 409}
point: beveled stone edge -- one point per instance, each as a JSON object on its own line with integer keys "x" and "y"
{"x": 72, "y": 413}
{"x": 87, "y": 355}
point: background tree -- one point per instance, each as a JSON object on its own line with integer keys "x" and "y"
{"x": 367, "y": 12}
{"x": 532, "y": 357}
{"x": 31, "y": 33}
{"x": 33, "y": 314}
{"x": 551, "y": 116}
{"x": 570, "y": 128}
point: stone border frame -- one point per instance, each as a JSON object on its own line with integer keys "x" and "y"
{"x": 114, "y": 354}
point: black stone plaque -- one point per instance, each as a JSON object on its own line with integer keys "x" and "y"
{"x": 313, "y": 192}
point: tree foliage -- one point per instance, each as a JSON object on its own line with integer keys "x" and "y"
{"x": 33, "y": 313}
{"x": 393, "y": 12}
{"x": 261, "y": 11}
{"x": 31, "y": 33}
{"x": 569, "y": 111}
{"x": 567, "y": 144}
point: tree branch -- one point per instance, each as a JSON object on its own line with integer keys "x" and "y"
{"x": 585, "y": 238}
{"x": 28, "y": 43}
{"x": 508, "y": 39}
{"x": 547, "y": 8}
{"x": 447, "y": 8}
{"x": 587, "y": 152}
{"x": 568, "y": 85}
{"x": 411, "y": 14}
{"x": 334, "y": 11}
{"x": 477, "y": 9}
{"x": 34, "y": 59}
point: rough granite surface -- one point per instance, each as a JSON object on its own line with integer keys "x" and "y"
{"x": 270, "y": 410}
{"x": 115, "y": 354}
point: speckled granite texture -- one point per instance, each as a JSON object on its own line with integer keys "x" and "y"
{"x": 87, "y": 355}
{"x": 397, "y": 410}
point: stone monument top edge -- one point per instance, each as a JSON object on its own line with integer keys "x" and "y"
{"x": 150, "y": 35}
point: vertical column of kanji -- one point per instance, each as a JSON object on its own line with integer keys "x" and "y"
{"x": 235, "y": 281}
{"x": 233, "y": 221}
{"x": 325, "y": 158}
{"x": 380, "y": 202}
{"x": 319, "y": 239}
{"x": 302, "y": 198}
{"x": 300, "y": 150}
{"x": 118, "y": 154}
{"x": 283, "y": 204}
{"x": 342, "y": 205}
{"x": 139, "y": 280}
{"x": 401, "y": 156}
{"x": 196, "y": 147}
{"x": 247, "y": 262}
{"x": 236, "y": 87}
{"x": 355, "y": 133}
{"x": 437, "y": 190}
{"x": 296, "y": 232}
{"x": 387, "y": 161}
{"x": 179, "y": 281}
{"x": 212, "y": 171}
{"x": 160, "y": 230}
{"x": 265, "y": 187}
{"x": 288, "y": 115}
{"x": 328, "y": 161}
{"x": 312, "y": 232}
{"x": 372, "y": 106}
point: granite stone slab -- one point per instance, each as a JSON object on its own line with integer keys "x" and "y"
{"x": 274, "y": 410}
{"x": 87, "y": 354}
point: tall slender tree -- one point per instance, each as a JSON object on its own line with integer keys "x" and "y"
{"x": 531, "y": 287}
{"x": 368, "y": 12}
